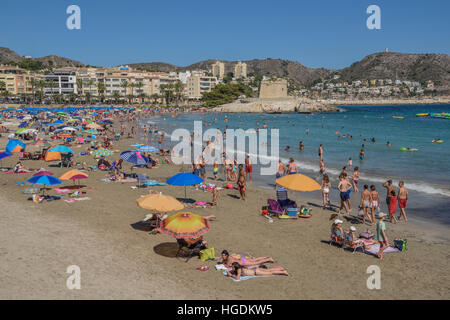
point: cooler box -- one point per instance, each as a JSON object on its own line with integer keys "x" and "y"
{"x": 292, "y": 212}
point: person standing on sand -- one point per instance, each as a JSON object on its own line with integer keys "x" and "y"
{"x": 402, "y": 200}
{"x": 321, "y": 169}
{"x": 389, "y": 187}
{"x": 248, "y": 168}
{"x": 375, "y": 200}
{"x": 343, "y": 188}
{"x": 381, "y": 235}
{"x": 355, "y": 179}
{"x": 241, "y": 184}
{"x": 393, "y": 207}
{"x": 326, "y": 186}
{"x": 365, "y": 203}
{"x": 215, "y": 195}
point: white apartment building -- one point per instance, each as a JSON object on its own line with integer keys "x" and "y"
{"x": 64, "y": 81}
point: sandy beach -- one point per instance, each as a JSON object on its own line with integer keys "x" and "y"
{"x": 39, "y": 241}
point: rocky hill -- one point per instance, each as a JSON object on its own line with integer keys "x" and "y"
{"x": 7, "y": 55}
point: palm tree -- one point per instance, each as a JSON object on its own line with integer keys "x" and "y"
{"x": 50, "y": 84}
{"x": 139, "y": 86}
{"x": 179, "y": 90}
{"x": 124, "y": 85}
{"x": 142, "y": 95}
{"x": 90, "y": 83}
{"x": 101, "y": 88}
{"x": 155, "y": 97}
{"x": 33, "y": 83}
{"x": 80, "y": 86}
{"x": 5, "y": 95}
{"x": 116, "y": 97}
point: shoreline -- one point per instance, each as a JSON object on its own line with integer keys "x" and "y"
{"x": 117, "y": 261}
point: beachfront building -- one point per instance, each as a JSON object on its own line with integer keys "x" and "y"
{"x": 218, "y": 70}
{"x": 61, "y": 81}
{"x": 17, "y": 80}
{"x": 199, "y": 83}
{"x": 240, "y": 70}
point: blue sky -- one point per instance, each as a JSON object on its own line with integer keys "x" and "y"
{"x": 317, "y": 33}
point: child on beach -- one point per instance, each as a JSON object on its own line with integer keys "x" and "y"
{"x": 242, "y": 186}
{"x": 215, "y": 195}
{"x": 381, "y": 235}
{"x": 355, "y": 178}
{"x": 392, "y": 207}
{"x": 350, "y": 162}
{"x": 215, "y": 169}
{"x": 326, "y": 186}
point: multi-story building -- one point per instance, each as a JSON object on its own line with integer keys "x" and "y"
{"x": 17, "y": 80}
{"x": 218, "y": 69}
{"x": 64, "y": 81}
{"x": 197, "y": 84}
{"x": 240, "y": 70}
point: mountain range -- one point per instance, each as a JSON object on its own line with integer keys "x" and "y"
{"x": 383, "y": 65}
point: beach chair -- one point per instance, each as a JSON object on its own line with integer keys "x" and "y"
{"x": 275, "y": 208}
{"x": 141, "y": 178}
{"x": 339, "y": 241}
{"x": 189, "y": 250}
{"x": 352, "y": 245}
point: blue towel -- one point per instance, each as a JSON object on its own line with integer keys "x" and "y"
{"x": 243, "y": 277}
{"x": 154, "y": 183}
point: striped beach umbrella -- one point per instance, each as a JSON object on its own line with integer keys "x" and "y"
{"x": 134, "y": 157}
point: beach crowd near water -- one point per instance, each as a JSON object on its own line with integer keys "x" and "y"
{"x": 126, "y": 146}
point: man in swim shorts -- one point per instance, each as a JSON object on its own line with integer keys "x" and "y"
{"x": 248, "y": 168}
{"x": 402, "y": 200}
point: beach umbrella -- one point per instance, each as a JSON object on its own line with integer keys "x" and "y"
{"x": 4, "y": 155}
{"x": 159, "y": 202}
{"x": 43, "y": 173}
{"x": 61, "y": 149}
{"x": 185, "y": 225}
{"x": 94, "y": 126}
{"x": 69, "y": 129}
{"x": 147, "y": 149}
{"x": 23, "y": 124}
{"x": 298, "y": 182}
{"x": 45, "y": 180}
{"x": 74, "y": 175}
{"x": 90, "y": 131}
{"x": 134, "y": 157}
{"x": 136, "y": 146}
{"x": 184, "y": 179}
{"x": 15, "y": 145}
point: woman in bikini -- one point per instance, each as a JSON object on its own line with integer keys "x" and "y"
{"x": 238, "y": 270}
{"x": 228, "y": 259}
{"x": 355, "y": 179}
{"x": 326, "y": 186}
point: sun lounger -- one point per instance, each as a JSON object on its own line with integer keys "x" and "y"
{"x": 354, "y": 245}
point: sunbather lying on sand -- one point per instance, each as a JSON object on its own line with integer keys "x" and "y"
{"x": 238, "y": 270}
{"x": 229, "y": 259}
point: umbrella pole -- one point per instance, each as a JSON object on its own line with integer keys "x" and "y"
{"x": 185, "y": 192}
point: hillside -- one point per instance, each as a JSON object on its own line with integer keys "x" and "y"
{"x": 391, "y": 65}
{"x": 7, "y": 55}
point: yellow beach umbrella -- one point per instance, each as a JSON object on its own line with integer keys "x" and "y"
{"x": 159, "y": 202}
{"x": 93, "y": 126}
{"x": 298, "y": 182}
{"x": 184, "y": 225}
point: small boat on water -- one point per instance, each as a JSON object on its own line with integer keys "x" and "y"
{"x": 398, "y": 117}
{"x": 422, "y": 114}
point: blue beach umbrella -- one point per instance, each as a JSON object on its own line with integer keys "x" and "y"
{"x": 134, "y": 157}
{"x": 44, "y": 180}
{"x": 184, "y": 179}
{"x": 14, "y": 145}
{"x": 4, "y": 155}
{"x": 61, "y": 149}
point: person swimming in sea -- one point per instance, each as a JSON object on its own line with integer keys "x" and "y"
{"x": 361, "y": 154}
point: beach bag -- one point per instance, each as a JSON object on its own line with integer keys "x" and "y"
{"x": 367, "y": 235}
{"x": 207, "y": 254}
{"x": 400, "y": 244}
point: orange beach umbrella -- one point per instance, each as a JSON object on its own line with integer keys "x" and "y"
{"x": 298, "y": 182}
{"x": 159, "y": 202}
{"x": 73, "y": 175}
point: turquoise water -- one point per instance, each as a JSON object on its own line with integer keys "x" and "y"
{"x": 425, "y": 171}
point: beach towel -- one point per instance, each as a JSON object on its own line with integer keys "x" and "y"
{"x": 154, "y": 183}
{"x": 10, "y": 172}
{"x": 242, "y": 278}
{"x": 62, "y": 190}
{"x": 373, "y": 250}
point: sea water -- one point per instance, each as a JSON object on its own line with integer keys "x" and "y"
{"x": 425, "y": 172}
